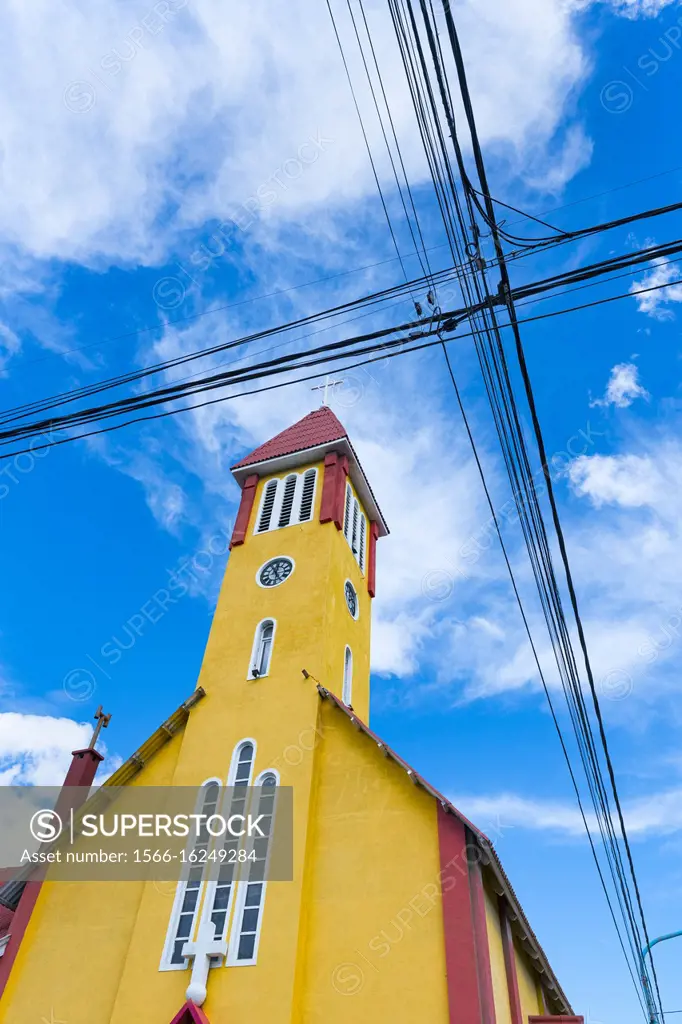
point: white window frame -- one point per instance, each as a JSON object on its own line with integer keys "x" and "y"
{"x": 212, "y": 885}
{"x": 233, "y": 945}
{"x": 357, "y": 600}
{"x": 256, "y": 646}
{"x": 262, "y": 504}
{"x": 274, "y": 559}
{"x": 347, "y": 689}
{"x": 295, "y": 518}
{"x": 181, "y": 888}
{"x": 354, "y": 515}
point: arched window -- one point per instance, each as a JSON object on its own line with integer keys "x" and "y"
{"x": 307, "y": 496}
{"x": 249, "y": 914}
{"x": 267, "y": 506}
{"x": 361, "y": 549}
{"x": 347, "y": 691}
{"x": 347, "y": 513}
{"x": 261, "y": 654}
{"x": 186, "y": 904}
{"x": 287, "y": 501}
{"x": 221, "y": 891}
{"x": 355, "y": 527}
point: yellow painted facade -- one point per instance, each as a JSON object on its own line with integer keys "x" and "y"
{"x": 358, "y": 935}
{"x": 499, "y": 975}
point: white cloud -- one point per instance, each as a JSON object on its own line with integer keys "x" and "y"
{"x": 627, "y": 480}
{"x": 640, "y": 8}
{"x": 653, "y": 814}
{"x": 654, "y": 303}
{"x": 154, "y": 122}
{"x": 623, "y": 387}
{"x": 569, "y": 156}
{"x": 9, "y": 346}
{"x": 36, "y": 749}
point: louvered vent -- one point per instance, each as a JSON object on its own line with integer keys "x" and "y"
{"x": 307, "y": 496}
{"x": 361, "y": 552}
{"x": 287, "y": 501}
{"x": 346, "y": 516}
{"x": 268, "y": 503}
{"x": 354, "y": 541}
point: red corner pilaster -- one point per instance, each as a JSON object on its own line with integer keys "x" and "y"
{"x": 460, "y": 946}
{"x": 334, "y": 489}
{"x": 77, "y": 783}
{"x": 510, "y": 963}
{"x": 485, "y": 974}
{"x": 372, "y": 559}
{"x": 190, "y": 1014}
{"x": 241, "y": 523}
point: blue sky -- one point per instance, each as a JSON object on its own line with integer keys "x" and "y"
{"x": 156, "y": 166}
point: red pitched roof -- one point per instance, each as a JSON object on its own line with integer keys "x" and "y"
{"x": 6, "y": 916}
{"x": 318, "y": 427}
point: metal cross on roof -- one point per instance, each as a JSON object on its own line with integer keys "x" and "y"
{"x": 328, "y": 383}
{"x": 102, "y": 723}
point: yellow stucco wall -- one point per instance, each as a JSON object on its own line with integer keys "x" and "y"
{"x": 528, "y": 987}
{"x": 372, "y": 936}
{"x": 69, "y": 964}
{"x": 498, "y": 970}
{"x": 358, "y": 934}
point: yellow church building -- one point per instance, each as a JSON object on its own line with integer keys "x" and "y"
{"x": 399, "y": 911}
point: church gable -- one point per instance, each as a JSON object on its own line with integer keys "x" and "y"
{"x": 190, "y": 1014}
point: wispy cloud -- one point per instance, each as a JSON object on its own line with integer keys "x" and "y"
{"x": 657, "y": 813}
{"x": 36, "y": 749}
{"x": 655, "y": 303}
{"x": 623, "y": 387}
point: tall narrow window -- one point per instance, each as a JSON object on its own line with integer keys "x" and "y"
{"x": 244, "y": 946}
{"x": 354, "y": 535}
{"x": 222, "y": 890}
{"x": 347, "y": 691}
{"x": 267, "y": 506}
{"x": 347, "y": 511}
{"x": 361, "y": 551}
{"x": 287, "y": 501}
{"x": 262, "y": 649}
{"x": 307, "y": 496}
{"x": 187, "y": 896}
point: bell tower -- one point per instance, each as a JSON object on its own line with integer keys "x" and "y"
{"x": 297, "y": 591}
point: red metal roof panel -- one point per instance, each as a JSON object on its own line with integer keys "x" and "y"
{"x": 318, "y": 427}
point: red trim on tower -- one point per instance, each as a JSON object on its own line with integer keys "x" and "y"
{"x": 460, "y": 958}
{"x": 329, "y": 488}
{"x": 77, "y": 783}
{"x": 241, "y": 523}
{"x": 510, "y": 963}
{"x": 372, "y": 559}
{"x": 190, "y": 1014}
{"x": 334, "y": 489}
{"x": 485, "y": 974}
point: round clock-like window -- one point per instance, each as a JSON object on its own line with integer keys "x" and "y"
{"x": 274, "y": 572}
{"x": 351, "y": 599}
